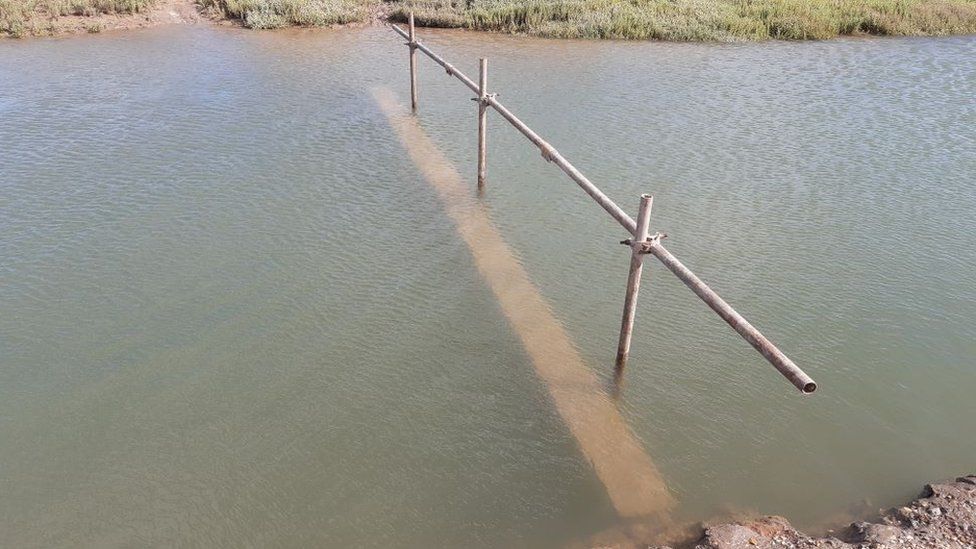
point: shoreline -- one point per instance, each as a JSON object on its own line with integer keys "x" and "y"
{"x": 17, "y": 20}
{"x": 943, "y": 516}
{"x": 164, "y": 12}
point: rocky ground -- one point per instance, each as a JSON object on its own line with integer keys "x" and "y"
{"x": 944, "y": 517}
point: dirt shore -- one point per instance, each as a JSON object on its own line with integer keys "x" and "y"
{"x": 165, "y": 12}
{"x": 943, "y": 517}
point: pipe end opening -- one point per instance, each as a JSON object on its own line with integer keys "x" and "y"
{"x": 809, "y": 388}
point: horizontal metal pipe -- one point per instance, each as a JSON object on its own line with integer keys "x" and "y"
{"x": 548, "y": 151}
{"x": 400, "y": 31}
{"x": 440, "y": 61}
{"x": 553, "y": 155}
{"x": 781, "y": 362}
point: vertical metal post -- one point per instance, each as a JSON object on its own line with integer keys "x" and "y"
{"x": 413, "y": 66}
{"x": 633, "y": 283}
{"x": 482, "y": 124}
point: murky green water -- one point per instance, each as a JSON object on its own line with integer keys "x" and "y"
{"x": 233, "y": 313}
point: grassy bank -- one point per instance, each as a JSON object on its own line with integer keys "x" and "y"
{"x": 37, "y": 17}
{"x": 272, "y": 14}
{"x": 678, "y": 20}
{"x": 692, "y": 20}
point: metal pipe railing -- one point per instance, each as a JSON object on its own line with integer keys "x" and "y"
{"x": 548, "y": 151}
{"x": 641, "y": 244}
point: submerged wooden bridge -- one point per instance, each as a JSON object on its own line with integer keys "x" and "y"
{"x": 632, "y": 481}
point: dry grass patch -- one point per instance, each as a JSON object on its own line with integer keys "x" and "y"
{"x": 688, "y": 20}
{"x": 271, "y": 14}
{"x": 33, "y": 17}
{"x": 677, "y": 20}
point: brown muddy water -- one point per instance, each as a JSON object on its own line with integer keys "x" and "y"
{"x": 235, "y": 312}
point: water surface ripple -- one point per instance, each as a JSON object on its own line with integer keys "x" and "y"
{"x": 234, "y": 313}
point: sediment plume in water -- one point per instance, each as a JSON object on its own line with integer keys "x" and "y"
{"x": 632, "y": 481}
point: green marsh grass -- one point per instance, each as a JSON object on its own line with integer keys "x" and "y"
{"x": 697, "y": 20}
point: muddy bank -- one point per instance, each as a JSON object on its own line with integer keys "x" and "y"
{"x": 40, "y": 22}
{"x": 943, "y": 517}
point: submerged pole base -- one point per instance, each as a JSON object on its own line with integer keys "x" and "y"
{"x": 633, "y": 284}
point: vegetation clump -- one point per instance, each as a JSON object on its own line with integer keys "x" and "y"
{"x": 272, "y": 14}
{"x": 676, "y": 20}
{"x": 33, "y": 17}
{"x": 697, "y": 20}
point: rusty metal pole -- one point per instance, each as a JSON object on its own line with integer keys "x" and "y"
{"x": 633, "y": 283}
{"x": 780, "y": 361}
{"x": 482, "y": 124}
{"x": 413, "y": 66}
